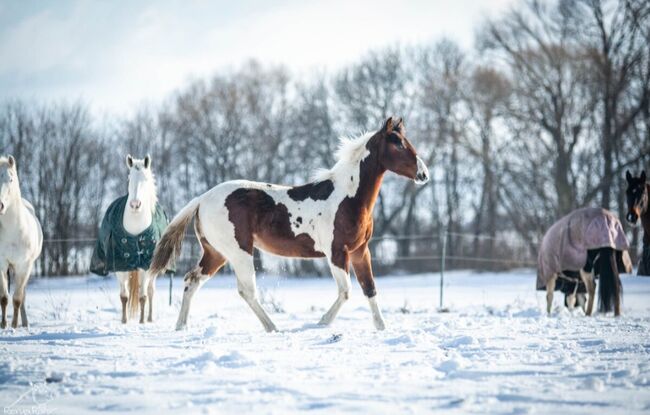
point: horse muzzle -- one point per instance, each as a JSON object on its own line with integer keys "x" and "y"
{"x": 3, "y": 208}
{"x": 136, "y": 205}
{"x": 422, "y": 175}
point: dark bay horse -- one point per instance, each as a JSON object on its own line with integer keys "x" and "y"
{"x": 638, "y": 193}
{"x": 330, "y": 217}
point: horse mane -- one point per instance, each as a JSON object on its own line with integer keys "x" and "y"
{"x": 350, "y": 151}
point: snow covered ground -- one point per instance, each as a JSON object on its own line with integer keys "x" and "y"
{"x": 494, "y": 352}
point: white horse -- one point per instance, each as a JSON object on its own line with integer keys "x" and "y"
{"x": 21, "y": 241}
{"x": 138, "y": 216}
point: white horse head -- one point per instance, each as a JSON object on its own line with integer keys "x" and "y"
{"x": 9, "y": 188}
{"x": 142, "y": 185}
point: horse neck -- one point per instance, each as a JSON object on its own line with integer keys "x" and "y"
{"x": 14, "y": 217}
{"x": 371, "y": 176}
{"x": 645, "y": 217}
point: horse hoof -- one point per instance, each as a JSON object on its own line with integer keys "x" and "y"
{"x": 271, "y": 329}
{"x": 181, "y": 327}
{"x": 150, "y": 320}
{"x": 3, "y": 324}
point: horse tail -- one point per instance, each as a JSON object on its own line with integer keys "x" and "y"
{"x": 169, "y": 246}
{"x": 609, "y": 286}
{"x": 134, "y": 293}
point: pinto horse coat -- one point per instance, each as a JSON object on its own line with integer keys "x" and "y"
{"x": 330, "y": 217}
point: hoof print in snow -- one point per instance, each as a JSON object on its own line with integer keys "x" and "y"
{"x": 335, "y": 338}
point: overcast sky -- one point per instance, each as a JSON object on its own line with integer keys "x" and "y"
{"x": 116, "y": 55}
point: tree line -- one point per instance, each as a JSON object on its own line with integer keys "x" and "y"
{"x": 543, "y": 116}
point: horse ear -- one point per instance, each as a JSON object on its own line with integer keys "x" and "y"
{"x": 628, "y": 176}
{"x": 388, "y": 125}
{"x": 400, "y": 124}
{"x": 147, "y": 161}
{"x": 12, "y": 161}
{"x": 643, "y": 176}
{"x": 129, "y": 161}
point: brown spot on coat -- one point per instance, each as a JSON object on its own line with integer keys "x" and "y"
{"x": 259, "y": 221}
{"x": 315, "y": 191}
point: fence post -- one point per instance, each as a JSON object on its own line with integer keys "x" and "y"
{"x": 171, "y": 279}
{"x": 442, "y": 265}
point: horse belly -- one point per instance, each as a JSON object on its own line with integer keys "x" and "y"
{"x": 300, "y": 246}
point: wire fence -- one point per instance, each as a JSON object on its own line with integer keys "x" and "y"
{"x": 391, "y": 254}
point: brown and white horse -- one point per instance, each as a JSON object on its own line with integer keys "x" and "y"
{"x": 638, "y": 208}
{"x": 330, "y": 217}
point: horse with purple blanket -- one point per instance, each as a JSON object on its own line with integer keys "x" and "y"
{"x": 589, "y": 242}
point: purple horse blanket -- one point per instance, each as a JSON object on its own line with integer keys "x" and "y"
{"x": 565, "y": 244}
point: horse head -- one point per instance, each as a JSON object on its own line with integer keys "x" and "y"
{"x": 397, "y": 154}
{"x": 9, "y": 189}
{"x": 142, "y": 186}
{"x": 637, "y": 197}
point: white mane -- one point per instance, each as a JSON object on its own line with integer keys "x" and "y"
{"x": 350, "y": 152}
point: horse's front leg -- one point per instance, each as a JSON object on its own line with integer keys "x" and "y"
{"x": 342, "y": 278}
{"x": 4, "y": 297}
{"x": 143, "y": 279}
{"x": 550, "y": 287}
{"x": 22, "y": 275}
{"x": 363, "y": 270}
{"x": 123, "y": 281}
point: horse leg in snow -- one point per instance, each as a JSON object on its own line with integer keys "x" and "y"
{"x": 4, "y": 297}
{"x": 247, "y": 288}
{"x": 22, "y": 275}
{"x": 151, "y": 289}
{"x": 123, "y": 281}
{"x": 143, "y": 279}
{"x": 23, "y": 313}
{"x": 342, "y": 278}
{"x": 210, "y": 263}
{"x": 363, "y": 270}
{"x": 550, "y": 287}
{"x": 588, "y": 279}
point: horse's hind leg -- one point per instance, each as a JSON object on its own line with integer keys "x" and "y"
{"x": 245, "y": 271}
{"x": 550, "y": 287}
{"x": 588, "y": 279}
{"x": 151, "y": 289}
{"x": 4, "y": 298}
{"x": 210, "y": 263}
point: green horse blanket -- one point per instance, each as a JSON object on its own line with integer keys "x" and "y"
{"x": 118, "y": 250}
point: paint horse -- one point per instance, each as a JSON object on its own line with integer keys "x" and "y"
{"x": 330, "y": 217}
{"x": 638, "y": 193}
{"x": 590, "y": 242}
{"x": 131, "y": 227}
{"x": 21, "y": 241}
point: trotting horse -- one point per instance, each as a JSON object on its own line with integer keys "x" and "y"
{"x": 131, "y": 227}
{"x": 638, "y": 193}
{"x": 21, "y": 241}
{"x": 330, "y": 217}
{"x": 590, "y": 242}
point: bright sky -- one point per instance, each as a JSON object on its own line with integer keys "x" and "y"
{"x": 116, "y": 55}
